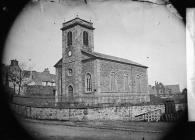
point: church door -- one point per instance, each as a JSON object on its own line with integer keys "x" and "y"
{"x": 70, "y": 92}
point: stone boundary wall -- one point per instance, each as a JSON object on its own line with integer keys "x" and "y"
{"x": 43, "y": 100}
{"x": 87, "y": 100}
{"x": 34, "y": 90}
{"x": 45, "y": 107}
{"x": 114, "y": 98}
{"x": 125, "y": 113}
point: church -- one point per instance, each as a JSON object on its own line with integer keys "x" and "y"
{"x": 83, "y": 73}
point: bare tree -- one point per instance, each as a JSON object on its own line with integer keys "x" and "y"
{"x": 21, "y": 76}
{"x": 13, "y": 77}
{"x": 16, "y": 77}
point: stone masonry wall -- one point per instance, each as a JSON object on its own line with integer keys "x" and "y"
{"x": 88, "y": 67}
{"x": 37, "y": 101}
{"x": 113, "y": 98}
{"x": 137, "y": 77}
{"x": 79, "y": 114}
{"x": 74, "y": 61}
{"x": 58, "y": 80}
{"x": 40, "y": 90}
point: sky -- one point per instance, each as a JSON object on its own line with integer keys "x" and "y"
{"x": 150, "y": 34}
{"x": 190, "y": 49}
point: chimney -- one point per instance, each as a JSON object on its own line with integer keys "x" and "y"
{"x": 46, "y": 70}
{"x": 14, "y": 62}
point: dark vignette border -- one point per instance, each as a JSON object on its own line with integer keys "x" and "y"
{"x": 10, "y": 129}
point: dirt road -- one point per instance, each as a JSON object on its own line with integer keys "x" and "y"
{"x": 56, "y": 130}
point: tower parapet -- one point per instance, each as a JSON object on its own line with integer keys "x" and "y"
{"x": 77, "y": 21}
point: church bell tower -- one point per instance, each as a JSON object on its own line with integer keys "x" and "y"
{"x": 77, "y": 35}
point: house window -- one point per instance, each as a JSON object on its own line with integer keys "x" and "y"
{"x": 85, "y": 38}
{"x": 69, "y": 38}
{"x": 69, "y": 72}
{"x": 88, "y": 82}
{"x": 126, "y": 82}
{"x": 112, "y": 81}
{"x": 48, "y": 84}
{"x": 44, "y": 83}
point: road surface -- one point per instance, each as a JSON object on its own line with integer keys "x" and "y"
{"x": 93, "y": 130}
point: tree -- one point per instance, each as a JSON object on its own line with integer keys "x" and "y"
{"x": 16, "y": 77}
{"x": 184, "y": 91}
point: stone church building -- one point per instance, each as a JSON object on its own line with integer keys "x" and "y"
{"x": 83, "y": 73}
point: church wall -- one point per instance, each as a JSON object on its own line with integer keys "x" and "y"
{"x": 88, "y": 67}
{"x": 58, "y": 80}
{"x": 75, "y": 79}
{"x": 120, "y": 69}
{"x": 73, "y": 48}
{"x": 71, "y": 62}
{"x": 74, "y": 61}
{"x": 77, "y": 43}
{"x": 140, "y": 79}
{"x": 90, "y": 47}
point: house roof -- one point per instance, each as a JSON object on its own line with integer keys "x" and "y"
{"x": 42, "y": 76}
{"x": 105, "y": 57}
{"x": 26, "y": 73}
{"x": 39, "y": 77}
{"x": 173, "y": 88}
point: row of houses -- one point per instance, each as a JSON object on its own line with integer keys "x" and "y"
{"x": 19, "y": 80}
{"x": 159, "y": 88}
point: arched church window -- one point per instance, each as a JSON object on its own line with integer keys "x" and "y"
{"x": 88, "y": 82}
{"x": 126, "y": 82}
{"x": 70, "y": 91}
{"x": 85, "y": 38}
{"x": 112, "y": 81}
{"x": 69, "y": 38}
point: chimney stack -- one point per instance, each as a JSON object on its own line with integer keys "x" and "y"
{"x": 14, "y": 62}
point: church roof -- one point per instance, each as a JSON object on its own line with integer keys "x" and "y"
{"x": 105, "y": 57}
{"x": 59, "y": 63}
{"x": 113, "y": 58}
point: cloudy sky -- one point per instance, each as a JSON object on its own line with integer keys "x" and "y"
{"x": 150, "y": 34}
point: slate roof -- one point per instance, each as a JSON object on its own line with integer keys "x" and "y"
{"x": 113, "y": 58}
{"x": 59, "y": 63}
{"x": 44, "y": 76}
{"x": 173, "y": 88}
{"x": 105, "y": 57}
{"x": 39, "y": 77}
{"x": 26, "y": 73}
